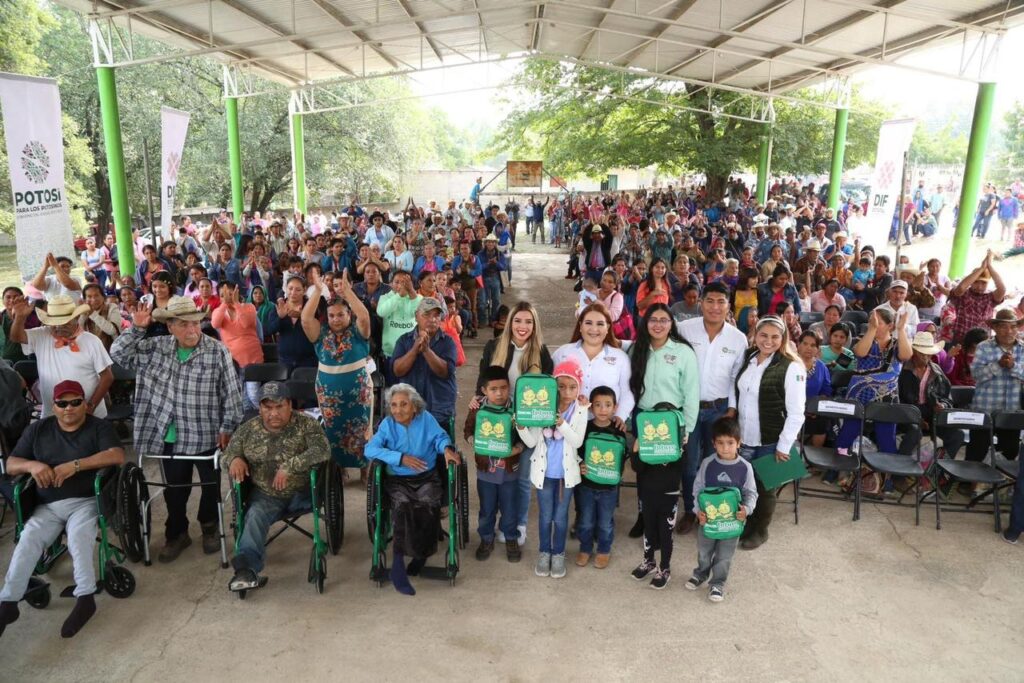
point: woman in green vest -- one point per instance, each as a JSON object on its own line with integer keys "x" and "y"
{"x": 769, "y": 403}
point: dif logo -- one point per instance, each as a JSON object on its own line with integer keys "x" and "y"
{"x": 35, "y": 164}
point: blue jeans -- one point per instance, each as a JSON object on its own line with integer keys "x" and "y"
{"x": 885, "y": 435}
{"x": 752, "y": 453}
{"x": 700, "y": 445}
{"x": 525, "y": 489}
{"x": 262, "y": 512}
{"x": 495, "y": 497}
{"x": 554, "y": 500}
{"x": 492, "y": 294}
{"x": 597, "y": 507}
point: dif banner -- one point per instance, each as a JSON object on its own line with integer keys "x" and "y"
{"x": 893, "y": 142}
{"x": 35, "y": 156}
{"x": 173, "y": 129}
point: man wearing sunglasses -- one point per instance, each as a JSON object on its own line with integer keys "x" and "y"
{"x": 61, "y": 453}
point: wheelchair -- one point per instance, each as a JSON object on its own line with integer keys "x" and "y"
{"x": 327, "y": 502}
{"x": 378, "y": 522}
{"x": 112, "y": 576}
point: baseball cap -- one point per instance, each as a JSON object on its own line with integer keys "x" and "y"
{"x": 68, "y": 386}
{"x": 274, "y": 391}
{"x": 898, "y": 283}
{"x": 429, "y": 304}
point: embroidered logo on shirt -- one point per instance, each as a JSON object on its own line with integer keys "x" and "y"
{"x": 610, "y": 360}
{"x": 724, "y": 478}
{"x": 670, "y": 359}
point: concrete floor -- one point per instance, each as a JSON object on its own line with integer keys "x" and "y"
{"x": 825, "y": 600}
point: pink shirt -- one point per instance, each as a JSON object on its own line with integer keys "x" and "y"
{"x": 239, "y": 335}
{"x": 820, "y": 301}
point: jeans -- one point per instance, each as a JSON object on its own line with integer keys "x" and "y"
{"x": 699, "y": 446}
{"x": 492, "y": 294}
{"x": 713, "y": 558}
{"x": 981, "y": 222}
{"x": 263, "y": 511}
{"x": 525, "y": 491}
{"x": 495, "y": 498}
{"x": 179, "y": 473}
{"x": 596, "y": 508}
{"x": 78, "y": 516}
{"x": 885, "y": 435}
{"x": 752, "y": 453}
{"x": 553, "y": 501}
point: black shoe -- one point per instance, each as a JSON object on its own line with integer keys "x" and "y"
{"x": 82, "y": 612}
{"x": 211, "y": 539}
{"x": 643, "y": 570}
{"x": 246, "y": 580}
{"x": 693, "y": 583}
{"x": 513, "y": 551}
{"x": 173, "y": 547}
{"x": 661, "y": 578}
{"x": 1010, "y": 538}
{"x": 484, "y": 550}
{"x": 9, "y": 614}
{"x": 638, "y": 529}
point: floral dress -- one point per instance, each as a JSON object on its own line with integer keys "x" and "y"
{"x": 880, "y": 381}
{"x": 344, "y": 391}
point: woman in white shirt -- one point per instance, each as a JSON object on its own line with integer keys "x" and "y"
{"x": 398, "y": 256}
{"x": 770, "y": 400}
{"x": 938, "y": 284}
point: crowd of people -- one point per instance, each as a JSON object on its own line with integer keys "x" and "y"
{"x": 722, "y": 316}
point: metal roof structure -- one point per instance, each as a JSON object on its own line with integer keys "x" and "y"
{"x": 766, "y": 48}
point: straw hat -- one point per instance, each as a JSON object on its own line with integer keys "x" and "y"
{"x": 61, "y": 310}
{"x": 1005, "y": 315}
{"x": 179, "y": 308}
{"x": 925, "y": 343}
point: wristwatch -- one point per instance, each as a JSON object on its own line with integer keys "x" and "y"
{"x": 78, "y": 466}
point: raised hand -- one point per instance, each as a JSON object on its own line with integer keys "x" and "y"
{"x": 142, "y": 316}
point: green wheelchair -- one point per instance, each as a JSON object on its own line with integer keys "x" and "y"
{"x": 378, "y": 522}
{"x": 116, "y": 579}
{"x": 327, "y": 502}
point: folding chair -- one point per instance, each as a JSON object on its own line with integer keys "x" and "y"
{"x": 855, "y": 317}
{"x": 122, "y": 393}
{"x": 810, "y": 317}
{"x": 979, "y": 426}
{"x": 894, "y": 464}
{"x": 265, "y": 372}
{"x": 29, "y": 372}
{"x": 961, "y": 397}
{"x": 826, "y": 458}
{"x": 303, "y": 393}
{"x": 304, "y": 374}
{"x": 1009, "y": 468}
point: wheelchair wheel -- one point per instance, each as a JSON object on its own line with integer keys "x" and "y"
{"x": 374, "y": 498}
{"x": 132, "y": 493}
{"x": 38, "y": 594}
{"x": 321, "y": 574}
{"x": 334, "y": 507}
{"x": 379, "y": 572}
{"x": 463, "y": 492}
{"x": 119, "y": 581}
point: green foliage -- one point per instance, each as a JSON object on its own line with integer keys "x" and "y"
{"x": 940, "y": 142}
{"x": 1010, "y": 163}
{"x": 23, "y": 23}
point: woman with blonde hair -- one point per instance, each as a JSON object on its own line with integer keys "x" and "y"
{"x": 769, "y": 403}
{"x": 520, "y": 350}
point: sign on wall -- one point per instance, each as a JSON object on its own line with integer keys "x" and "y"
{"x": 525, "y": 173}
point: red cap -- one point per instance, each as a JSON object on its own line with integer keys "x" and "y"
{"x": 68, "y": 386}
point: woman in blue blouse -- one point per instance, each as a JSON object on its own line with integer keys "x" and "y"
{"x": 819, "y": 384}
{"x": 409, "y": 441}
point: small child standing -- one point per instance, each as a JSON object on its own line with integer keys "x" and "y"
{"x": 597, "y": 501}
{"x": 658, "y": 489}
{"x": 496, "y": 478}
{"x": 554, "y": 467}
{"x": 724, "y": 469}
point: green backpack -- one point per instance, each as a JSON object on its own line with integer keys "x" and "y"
{"x": 602, "y": 454}
{"x": 536, "y": 400}
{"x": 493, "y": 434}
{"x": 657, "y": 436}
{"x": 721, "y": 504}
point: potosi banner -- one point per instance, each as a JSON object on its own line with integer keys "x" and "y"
{"x": 35, "y": 155}
{"x": 173, "y": 129}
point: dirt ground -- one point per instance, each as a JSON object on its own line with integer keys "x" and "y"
{"x": 827, "y": 599}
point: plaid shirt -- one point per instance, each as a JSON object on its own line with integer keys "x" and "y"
{"x": 972, "y": 310}
{"x": 201, "y": 395}
{"x": 997, "y": 388}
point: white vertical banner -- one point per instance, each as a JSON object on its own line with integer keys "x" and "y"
{"x": 173, "y": 129}
{"x": 35, "y": 154}
{"x": 893, "y": 141}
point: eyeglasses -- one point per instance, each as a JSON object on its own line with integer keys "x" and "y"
{"x": 73, "y": 403}
{"x": 659, "y": 321}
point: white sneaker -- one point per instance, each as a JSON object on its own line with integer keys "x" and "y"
{"x": 522, "y": 535}
{"x": 543, "y": 567}
{"x": 499, "y": 536}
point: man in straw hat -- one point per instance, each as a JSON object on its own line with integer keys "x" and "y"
{"x": 923, "y": 383}
{"x": 971, "y": 299}
{"x": 187, "y": 402}
{"x": 998, "y": 371}
{"x": 64, "y": 351}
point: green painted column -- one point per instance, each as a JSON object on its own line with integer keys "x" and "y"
{"x": 763, "y": 162}
{"x": 835, "y": 176}
{"x": 972, "y": 177}
{"x": 115, "y": 169}
{"x": 298, "y": 164}
{"x": 235, "y": 158}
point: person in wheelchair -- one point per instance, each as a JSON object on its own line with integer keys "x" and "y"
{"x": 275, "y": 450}
{"x": 61, "y": 453}
{"x": 409, "y": 441}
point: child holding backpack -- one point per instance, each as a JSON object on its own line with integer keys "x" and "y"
{"x": 598, "y": 493}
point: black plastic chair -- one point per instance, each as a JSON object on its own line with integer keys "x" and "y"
{"x": 827, "y": 458}
{"x": 979, "y": 426}
{"x": 270, "y": 353}
{"x": 855, "y": 317}
{"x": 122, "y": 392}
{"x": 810, "y": 317}
{"x": 895, "y": 464}
{"x": 303, "y": 393}
{"x": 265, "y": 372}
{"x": 304, "y": 374}
{"x": 961, "y": 396}
{"x": 1014, "y": 421}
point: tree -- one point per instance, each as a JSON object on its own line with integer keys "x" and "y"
{"x": 1010, "y": 162}
{"x": 581, "y": 121}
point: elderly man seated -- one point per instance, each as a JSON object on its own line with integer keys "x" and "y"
{"x": 61, "y": 453}
{"x": 276, "y": 450}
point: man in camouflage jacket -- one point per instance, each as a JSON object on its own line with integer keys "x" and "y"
{"x": 275, "y": 452}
